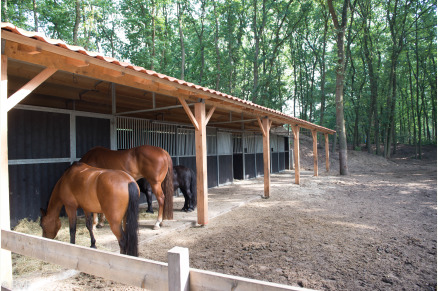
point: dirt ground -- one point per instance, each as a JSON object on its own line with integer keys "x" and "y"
{"x": 375, "y": 229}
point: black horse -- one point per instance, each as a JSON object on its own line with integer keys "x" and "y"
{"x": 184, "y": 179}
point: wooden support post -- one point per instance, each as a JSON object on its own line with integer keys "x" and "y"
{"x": 327, "y": 161}
{"x": 178, "y": 269}
{"x": 265, "y": 127}
{"x": 5, "y": 223}
{"x": 201, "y": 163}
{"x": 315, "y": 152}
{"x": 199, "y": 121}
{"x": 296, "y": 131}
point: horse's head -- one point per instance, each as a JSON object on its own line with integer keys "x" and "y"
{"x": 50, "y": 225}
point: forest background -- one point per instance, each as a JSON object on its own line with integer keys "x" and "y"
{"x": 282, "y": 54}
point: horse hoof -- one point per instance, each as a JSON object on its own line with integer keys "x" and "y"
{"x": 184, "y": 209}
{"x": 99, "y": 226}
{"x": 93, "y": 247}
{"x": 156, "y": 227}
{"x": 190, "y": 210}
{"x": 149, "y": 211}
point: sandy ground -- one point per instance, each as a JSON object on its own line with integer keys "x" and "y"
{"x": 375, "y": 229}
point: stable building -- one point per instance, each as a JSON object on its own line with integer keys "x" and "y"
{"x": 58, "y": 101}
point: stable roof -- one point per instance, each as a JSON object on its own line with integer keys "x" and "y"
{"x": 83, "y": 81}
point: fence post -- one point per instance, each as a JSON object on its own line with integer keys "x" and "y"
{"x": 178, "y": 269}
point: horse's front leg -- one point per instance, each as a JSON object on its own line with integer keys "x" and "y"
{"x": 186, "y": 199}
{"x": 71, "y": 213}
{"x": 89, "y": 223}
{"x": 190, "y": 203}
{"x": 156, "y": 188}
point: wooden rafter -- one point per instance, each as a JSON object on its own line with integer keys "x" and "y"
{"x": 189, "y": 112}
{"x": 29, "y": 87}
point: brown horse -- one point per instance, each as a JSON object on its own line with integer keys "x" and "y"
{"x": 149, "y": 162}
{"x": 112, "y": 192}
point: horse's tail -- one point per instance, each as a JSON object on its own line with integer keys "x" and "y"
{"x": 193, "y": 187}
{"x": 131, "y": 228}
{"x": 168, "y": 190}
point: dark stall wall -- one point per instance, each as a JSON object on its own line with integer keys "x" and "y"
{"x": 238, "y": 166}
{"x": 91, "y": 132}
{"x": 212, "y": 174}
{"x": 38, "y": 135}
{"x": 39, "y": 145}
{"x": 259, "y": 164}
{"x": 34, "y": 139}
{"x": 274, "y": 162}
{"x": 225, "y": 169}
{"x": 30, "y": 187}
{"x": 281, "y": 161}
{"x": 250, "y": 170}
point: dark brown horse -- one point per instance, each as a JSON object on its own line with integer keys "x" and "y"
{"x": 149, "y": 162}
{"x": 183, "y": 178}
{"x": 112, "y": 192}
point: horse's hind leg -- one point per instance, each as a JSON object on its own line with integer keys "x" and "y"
{"x": 89, "y": 223}
{"x": 118, "y": 232}
{"x": 156, "y": 188}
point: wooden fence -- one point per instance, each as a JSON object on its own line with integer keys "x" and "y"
{"x": 139, "y": 272}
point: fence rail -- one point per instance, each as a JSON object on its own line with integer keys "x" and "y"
{"x": 132, "y": 271}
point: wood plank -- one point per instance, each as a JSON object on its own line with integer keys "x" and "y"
{"x": 124, "y": 269}
{"x": 192, "y": 118}
{"x": 315, "y": 152}
{"x": 179, "y": 271}
{"x": 211, "y": 281}
{"x": 261, "y": 126}
{"x": 210, "y": 114}
{"x": 327, "y": 155}
{"x": 296, "y": 132}
{"x": 119, "y": 268}
{"x": 29, "y": 87}
{"x": 201, "y": 164}
{"x": 5, "y": 223}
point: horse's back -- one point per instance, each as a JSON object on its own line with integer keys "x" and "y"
{"x": 89, "y": 187}
{"x": 105, "y": 158}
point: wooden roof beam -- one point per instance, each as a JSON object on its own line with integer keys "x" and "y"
{"x": 24, "y": 91}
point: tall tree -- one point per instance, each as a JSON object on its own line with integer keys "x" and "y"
{"x": 181, "y": 38}
{"x": 340, "y": 69}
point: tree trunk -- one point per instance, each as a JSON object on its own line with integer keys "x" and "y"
{"x": 77, "y": 22}
{"x": 35, "y": 15}
{"x": 417, "y": 77}
{"x": 181, "y": 37}
{"x": 412, "y": 103}
{"x": 324, "y": 48}
{"x": 4, "y": 11}
{"x": 340, "y": 121}
{"x": 216, "y": 44}
{"x": 153, "y": 36}
{"x": 256, "y": 55}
